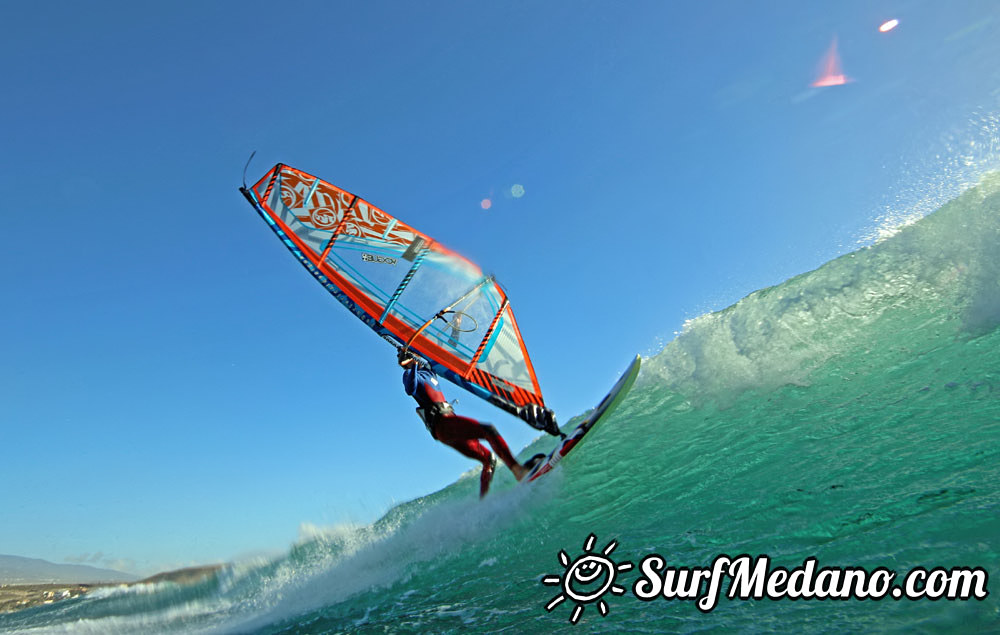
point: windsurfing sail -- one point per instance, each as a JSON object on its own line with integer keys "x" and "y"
{"x": 403, "y": 284}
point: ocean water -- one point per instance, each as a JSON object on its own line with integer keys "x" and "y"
{"x": 851, "y": 414}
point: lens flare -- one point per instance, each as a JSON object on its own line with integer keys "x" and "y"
{"x": 830, "y": 73}
{"x": 486, "y": 203}
{"x": 888, "y": 25}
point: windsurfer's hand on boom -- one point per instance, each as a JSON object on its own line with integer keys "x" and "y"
{"x": 540, "y": 418}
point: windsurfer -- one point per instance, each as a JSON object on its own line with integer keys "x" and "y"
{"x": 461, "y": 433}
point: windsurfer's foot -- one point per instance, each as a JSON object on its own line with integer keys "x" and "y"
{"x": 487, "y": 476}
{"x": 533, "y": 461}
{"x": 528, "y": 465}
{"x": 519, "y": 471}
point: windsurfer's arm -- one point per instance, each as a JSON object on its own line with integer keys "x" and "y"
{"x": 408, "y": 381}
{"x": 411, "y": 378}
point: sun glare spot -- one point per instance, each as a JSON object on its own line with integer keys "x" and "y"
{"x": 486, "y": 203}
{"x": 888, "y": 25}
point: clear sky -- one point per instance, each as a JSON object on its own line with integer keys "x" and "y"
{"x": 176, "y": 389}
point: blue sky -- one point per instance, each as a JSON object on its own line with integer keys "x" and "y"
{"x": 176, "y": 389}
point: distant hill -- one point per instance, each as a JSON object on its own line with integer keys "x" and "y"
{"x": 18, "y": 570}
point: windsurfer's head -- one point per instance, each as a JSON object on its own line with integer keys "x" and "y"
{"x": 405, "y": 358}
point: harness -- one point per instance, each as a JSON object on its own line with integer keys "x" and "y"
{"x": 430, "y": 416}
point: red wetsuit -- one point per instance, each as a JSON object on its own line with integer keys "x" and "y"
{"x": 461, "y": 433}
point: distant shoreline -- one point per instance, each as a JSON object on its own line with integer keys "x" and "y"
{"x": 16, "y": 597}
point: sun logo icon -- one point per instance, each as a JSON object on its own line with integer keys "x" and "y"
{"x": 587, "y": 579}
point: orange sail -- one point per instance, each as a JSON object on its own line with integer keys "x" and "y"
{"x": 403, "y": 284}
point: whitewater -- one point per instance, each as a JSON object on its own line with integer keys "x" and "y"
{"x": 850, "y": 414}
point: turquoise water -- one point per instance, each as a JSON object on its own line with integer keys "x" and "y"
{"x": 851, "y": 414}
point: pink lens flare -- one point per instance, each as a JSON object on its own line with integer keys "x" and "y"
{"x": 830, "y": 73}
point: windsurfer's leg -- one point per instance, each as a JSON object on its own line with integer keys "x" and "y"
{"x": 457, "y": 427}
{"x": 473, "y": 449}
{"x": 500, "y": 447}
